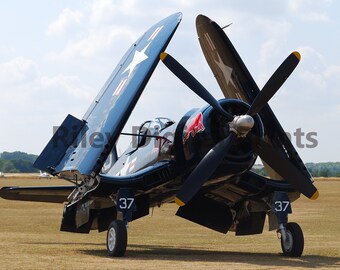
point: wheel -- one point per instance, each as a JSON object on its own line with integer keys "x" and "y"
{"x": 116, "y": 239}
{"x": 294, "y": 244}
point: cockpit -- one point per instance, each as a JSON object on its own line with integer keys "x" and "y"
{"x": 163, "y": 122}
{"x": 153, "y": 128}
{"x": 155, "y": 125}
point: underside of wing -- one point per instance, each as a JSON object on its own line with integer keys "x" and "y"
{"x": 240, "y": 207}
{"x": 228, "y": 68}
{"x": 235, "y": 81}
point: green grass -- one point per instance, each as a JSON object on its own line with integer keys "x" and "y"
{"x": 30, "y": 239}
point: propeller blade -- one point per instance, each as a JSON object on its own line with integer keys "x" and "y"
{"x": 204, "y": 170}
{"x": 274, "y": 83}
{"x": 282, "y": 165}
{"x": 190, "y": 81}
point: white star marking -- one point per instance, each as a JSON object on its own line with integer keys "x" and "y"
{"x": 138, "y": 58}
{"x": 227, "y": 71}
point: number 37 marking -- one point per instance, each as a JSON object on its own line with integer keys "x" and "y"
{"x": 281, "y": 206}
{"x": 126, "y": 203}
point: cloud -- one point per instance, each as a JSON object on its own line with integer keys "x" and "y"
{"x": 71, "y": 85}
{"x": 93, "y": 44}
{"x": 317, "y": 73}
{"x": 24, "y": 84}
{"x": 31, "y": 100}
{"x": 17, "y": 71}
{"x": 306, "y": 10}
{"x": 66, "y": 19}
{"x": 107, "y": 11}
{"x": 105, "y": 28}
{"x": 277, "y": 32}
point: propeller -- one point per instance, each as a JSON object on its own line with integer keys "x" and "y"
{"x": 240, "y": 127}
{"x": 280, "y": 163}
{"x": 204, "y": 170}
{"x": 275, "y": 82}
{"x": 192, "y": 83}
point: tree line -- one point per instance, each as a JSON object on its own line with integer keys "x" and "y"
{"x": 20, "y": 162}
{"x": 17, "y": 162}
{"x": 321, "y": 169}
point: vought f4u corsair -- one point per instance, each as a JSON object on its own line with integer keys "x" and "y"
{"x": 204, "y": 166}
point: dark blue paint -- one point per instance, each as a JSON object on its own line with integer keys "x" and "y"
{"x": 109, "y": 113}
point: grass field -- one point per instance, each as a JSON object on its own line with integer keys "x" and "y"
{"x": 30, "y": 239}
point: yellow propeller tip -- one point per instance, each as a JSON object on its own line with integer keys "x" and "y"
{"x": 297, "y": 55}
{"x": 163, "y": 55}
{"x": 315, "y": 195}
{"x": 179, "y": 202}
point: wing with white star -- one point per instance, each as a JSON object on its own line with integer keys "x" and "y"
{"x": 106, "y": 117}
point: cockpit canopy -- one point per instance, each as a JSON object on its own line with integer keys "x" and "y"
{"x": 155, "y": 125}
{"x": 153, "y": 128}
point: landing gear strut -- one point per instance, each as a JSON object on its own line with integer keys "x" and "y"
{"x": 292, "y": 240}
{"x": 117, "y": 236}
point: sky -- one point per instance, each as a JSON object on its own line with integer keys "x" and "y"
{"x": 56, "y": 55}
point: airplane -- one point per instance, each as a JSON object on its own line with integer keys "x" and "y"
{"x": 44, "y": 175}
{"x": 202, "y": 162}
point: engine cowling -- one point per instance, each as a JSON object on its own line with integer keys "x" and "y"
{"x": 206, "y": 127}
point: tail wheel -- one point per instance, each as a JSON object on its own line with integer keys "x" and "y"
{"x": 294, "y": 243}
{"x": 116, "y": 239}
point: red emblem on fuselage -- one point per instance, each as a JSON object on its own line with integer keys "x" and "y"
{"x": 193, "y": 127}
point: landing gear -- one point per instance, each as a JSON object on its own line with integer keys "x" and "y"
{"x": 116, "y": 239}
{"x": 292, "y": 240}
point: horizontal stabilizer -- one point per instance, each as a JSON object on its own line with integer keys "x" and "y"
{"x": 57, "y": 147}
{"x": 52, "y": 194}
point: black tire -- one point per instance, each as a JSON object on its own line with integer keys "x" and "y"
{"x": 295, "y": 241}
{"x": 116, "y": 239}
